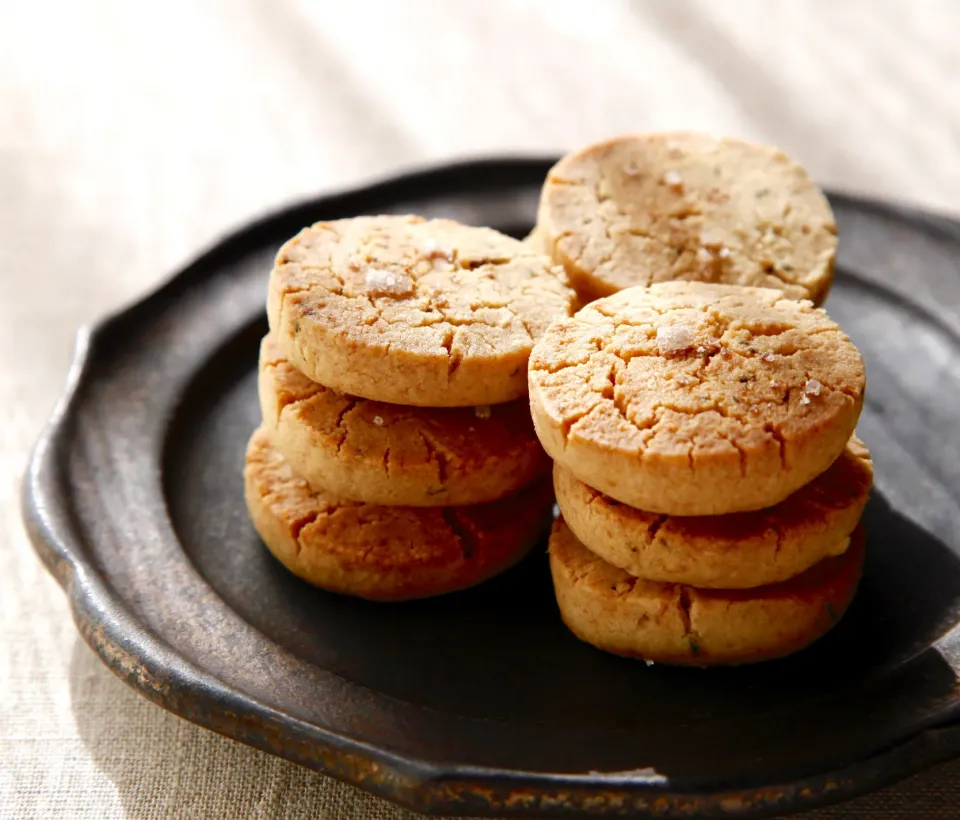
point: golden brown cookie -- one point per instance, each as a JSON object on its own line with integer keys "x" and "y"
{"x": 380, "y": 453}
{"x": 535, "y": 240}
{"x": 679, "y": 624}
{"x": 696, "y": 399}
{"x": 651, "y": 208}
{"x": 735, "y": 551}
{"x": 385, "y": 553}
{"x": 401, "y": 310}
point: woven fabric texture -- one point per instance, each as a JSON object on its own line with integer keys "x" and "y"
{"x": 133, "y": 134}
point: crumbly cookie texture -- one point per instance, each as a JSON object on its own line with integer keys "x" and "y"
{"x": 658, "y": 207}
{"x": 678, "y": 624}
{"x": 535, "y": 240}
{"x": 409, "y": 311}
{"x": 688, "y": 398}
{"x": 385, "y": 553}
{"x": 380, "y": 453}
{"x": 735, "y": 551}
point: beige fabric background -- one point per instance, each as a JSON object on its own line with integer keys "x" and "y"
{"x": 134, "y": 133}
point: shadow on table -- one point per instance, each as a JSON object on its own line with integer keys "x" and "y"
{"x": 163, "y": 766}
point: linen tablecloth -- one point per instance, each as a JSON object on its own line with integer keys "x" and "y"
{"x": 132, "y": 134}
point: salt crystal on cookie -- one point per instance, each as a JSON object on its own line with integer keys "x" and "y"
{"x": 434, "y": 250}
{"x": 388, "y": 283}
{"x": 674, "y": 339}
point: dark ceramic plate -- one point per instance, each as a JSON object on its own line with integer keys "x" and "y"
{"x": 481, "y": 702}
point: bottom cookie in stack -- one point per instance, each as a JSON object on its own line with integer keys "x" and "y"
{"x": 386, "y": 553}
{"x": 679, "y": 624}
{"x": 710, "y": 590}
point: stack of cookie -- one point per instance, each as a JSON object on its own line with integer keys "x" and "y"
{"x": 664, "y": 207}
{"x": 706, "y": 470}
{"x": 397, "y": 458}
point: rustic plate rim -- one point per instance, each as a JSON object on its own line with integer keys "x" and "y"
{"x": 153, "y": 668}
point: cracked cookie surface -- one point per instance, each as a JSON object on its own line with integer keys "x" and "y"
{"x": 658, "y": 207}
{"x": 688, "y": 398}
{"x": 735, "y": 551}
{"x": 385, "y": 553}
{"x": 380, "y": 453}
{"x": 409, "y": 311}
{"x": 679, "y": 624}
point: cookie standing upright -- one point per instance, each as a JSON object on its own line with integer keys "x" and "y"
{"x": 408, "y": 311}
{"x": 650, "y": 208}
{"x": 696, "y": 399}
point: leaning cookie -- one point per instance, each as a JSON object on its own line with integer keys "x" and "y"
{"x": 684, "y": 625}
{"x": 408, "y": 311}
{"x": 379, "y": 453}
{"x": 385, "y": 553}
{"x": 650, "y": 208}
{"x": 735, "y": 551}
{"x": 688, "y": 398}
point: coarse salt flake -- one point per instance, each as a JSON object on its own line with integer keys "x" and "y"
{"x": 434, "y": 250}
{"x": 387, "y": 282}
{"x": 812, "y": 388}
{"x": 482, "y": 412}
{"x": 378, "y": 420}
{"x": 703, "y": 255}
{"x": 804, "y": 399}
{"x": 767, "y": 357}
{"x": 674, "y": 338}
{"x": 724, "y": 253}
{"x": 672, "y": 178}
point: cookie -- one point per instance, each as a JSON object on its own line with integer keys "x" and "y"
{"x": 735, "y": 551}
{"x": 380, "y": 453}
{"x": 651, "y": 208}
{"x": 402, "y": 310}
{"x": 679, "y": 624}
{"x": 535, "y": 240}
{"x": 689, "y": 398}
{"x": 385, "y": 553}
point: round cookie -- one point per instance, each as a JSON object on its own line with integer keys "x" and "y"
{"x": 651, "y": 208}
{"x": 402, "y": 310}
{"x": 689, "y": 398}
{"x": 385, "y": 553}
{"x": 684, "y": 625}
{"x": 735, "y": 551}
{"x": 380, "y": 453}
